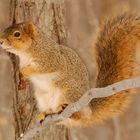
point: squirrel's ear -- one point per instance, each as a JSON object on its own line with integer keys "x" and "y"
{"x": 31, "y": 30}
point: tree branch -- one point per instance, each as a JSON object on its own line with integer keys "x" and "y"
{"x": 82, "y": 102}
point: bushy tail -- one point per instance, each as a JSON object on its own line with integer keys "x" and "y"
{"x": 116, "y": 61}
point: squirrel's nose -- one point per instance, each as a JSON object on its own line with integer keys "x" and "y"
{"x": 1, "y": 42}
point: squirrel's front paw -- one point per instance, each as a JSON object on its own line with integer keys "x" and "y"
{"x": 61, "y": 108}
{"x": 41, "y": 117}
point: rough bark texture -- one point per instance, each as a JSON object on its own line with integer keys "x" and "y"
{"x": 6, "y": 100}
{"x": 49, "y": 16}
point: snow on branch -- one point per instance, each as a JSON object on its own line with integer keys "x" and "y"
{"x": 82, "y": 102}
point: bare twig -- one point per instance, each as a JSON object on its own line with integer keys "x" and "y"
{"x": 30, "y": 117}
{"x": 82, "y": 102}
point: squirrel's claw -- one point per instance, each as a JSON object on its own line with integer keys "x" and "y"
{"x": 61, "y": 108}
{"x": 41, "y": 117}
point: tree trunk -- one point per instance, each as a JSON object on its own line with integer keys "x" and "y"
{"x": 6, "y": 100}
{"x": 49, "y": 16}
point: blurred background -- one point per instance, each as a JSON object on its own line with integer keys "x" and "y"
{"x": 82, "y": 21}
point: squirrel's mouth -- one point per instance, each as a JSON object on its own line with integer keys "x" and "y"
{"x": 5, "y": 47}
{"x": 5, "y": 44}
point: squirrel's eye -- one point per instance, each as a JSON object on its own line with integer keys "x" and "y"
{"x": 17, "y": 34}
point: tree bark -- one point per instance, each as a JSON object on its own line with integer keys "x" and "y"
{"x": 6, "y": 100}
{"x": 49, "y": 16}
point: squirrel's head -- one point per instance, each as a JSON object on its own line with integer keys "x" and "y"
{"x": 18, "y": 36}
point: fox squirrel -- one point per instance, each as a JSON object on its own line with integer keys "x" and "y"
{"x": 60, "y": 77}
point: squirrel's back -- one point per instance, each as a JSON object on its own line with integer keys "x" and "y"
{"x": 116, "y": 50}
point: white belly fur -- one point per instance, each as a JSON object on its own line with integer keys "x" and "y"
{"x": 47, "y": 96}
{"x": 24, "y": 58}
